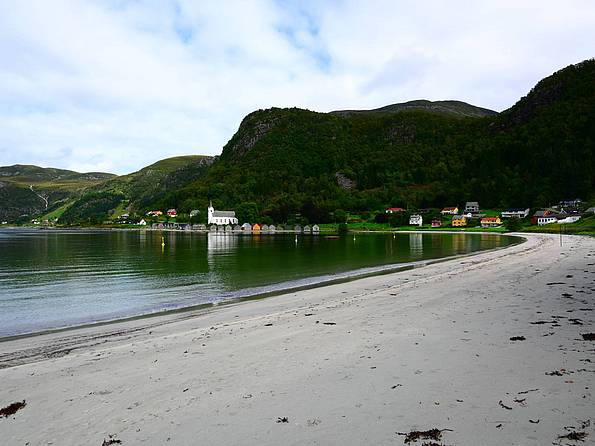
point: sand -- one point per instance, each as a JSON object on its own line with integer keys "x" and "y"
{"x": 351, "y": 364}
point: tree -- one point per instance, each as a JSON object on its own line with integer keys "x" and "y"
{"x": 340, "y": 216}
{"x": 513, "y": 224}
{"x": 247, "y": 212}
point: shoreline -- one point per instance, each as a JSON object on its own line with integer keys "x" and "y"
{"x": 352, "y": 363}
{"x": 287, "y": 287}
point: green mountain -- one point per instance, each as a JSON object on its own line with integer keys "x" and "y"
{"x": 138, "y": 190}
{"x": 30, "y": 190}
{"x": 288, "y": 161}
{"x": 282, "y": 162}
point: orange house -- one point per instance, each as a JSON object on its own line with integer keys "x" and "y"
{"x": 256, "y": 227}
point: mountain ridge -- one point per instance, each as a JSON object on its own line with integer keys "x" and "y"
{"x": 288, "y": 161}
{"x": 453, "y": 107}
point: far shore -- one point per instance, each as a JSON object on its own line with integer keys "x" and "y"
{"x": 491, "y": 349}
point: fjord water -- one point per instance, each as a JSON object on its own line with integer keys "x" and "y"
{"x": 51, "y": 279}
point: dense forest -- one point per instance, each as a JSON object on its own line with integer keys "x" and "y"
{"x": 287, "y": 162}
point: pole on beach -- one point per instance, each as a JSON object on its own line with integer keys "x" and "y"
{"x": 560, "y": 226}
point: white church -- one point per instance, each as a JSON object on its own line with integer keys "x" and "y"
{"x": 221, "y": 217}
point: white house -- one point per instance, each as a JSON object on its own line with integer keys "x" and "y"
{"x": 546, "y": 220}
{"x": 416, "y": 219}
{"x": 570, "y": 219}
{"x": 472, "y": 206}
{"x": 515, "y": 212}
{"x": 221, "y": 217}
{"x": 142, "y": 222}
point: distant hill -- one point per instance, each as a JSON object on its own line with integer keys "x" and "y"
{"x": 129, "y": 193}
{"x": 27, "y": 190}
{"x": 454, "y": 108}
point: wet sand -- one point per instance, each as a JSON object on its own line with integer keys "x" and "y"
{"x": 351, "y": 363}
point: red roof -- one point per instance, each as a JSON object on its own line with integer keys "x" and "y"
{"x": 395, "y": 209}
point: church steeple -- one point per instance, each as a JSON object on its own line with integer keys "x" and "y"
{"x": 210, "y": 212}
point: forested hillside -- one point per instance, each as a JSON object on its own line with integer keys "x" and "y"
{"x": 138, "y": 190}
{"x": 283, "y": 162}
{"x": 31, "y": 190}
{"x": 290, "y": 161}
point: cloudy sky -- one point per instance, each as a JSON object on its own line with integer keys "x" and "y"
{"x": 115, "y": 85}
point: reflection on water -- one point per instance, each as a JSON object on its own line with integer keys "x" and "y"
{"x": 222, "y": 242}
{"x": 56, "y": 278}
{"x": 416, "y": 245}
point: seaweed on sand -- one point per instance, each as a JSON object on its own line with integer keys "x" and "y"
{"x": 575, "y": 436}
{"x": 432, "y": 434}
{"x": 11, "y": 409}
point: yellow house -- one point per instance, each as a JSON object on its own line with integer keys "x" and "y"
{"x": 256, "y": 228}
{"x": 450, "y": 210}
{"x": 459, "y": 220}
{"x": 488, "y": 222}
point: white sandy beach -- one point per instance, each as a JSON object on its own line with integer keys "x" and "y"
{"x": 352, "y": 364}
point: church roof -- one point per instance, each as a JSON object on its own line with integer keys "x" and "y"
{"x": 230, "y": 214}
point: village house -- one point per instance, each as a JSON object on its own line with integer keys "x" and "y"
{"x": 194, "y": 213}
{"x": 515, "y": 213}
{"x": 546, "y": 220}
{"x": 247, "y": 227}
{"x": 297, "y": 228}
{"x": 539, "y": 214}
{"x": 256, "y": 227}
{"x": 172, "y": 213}
{"x": 154, "y": 213}
{"x": 571, "y": 203}
{"x": 415, "y": 220}
{"x": 458, "y": 220}
{"x": 142, "y": 222}
{"x": 220, "y": 217}
{"x": 272, "y": 228}
{"x": 570, "y": 219}
{"x": 436, "y": 223}
{"x": 450, "y": 211}
{"x": 490, "y": 222}
{"x": 307, "y": 229}
{"x": 315, "y": 229}
{"x": 472, "y": 207}
{"x": 393, "y": 210}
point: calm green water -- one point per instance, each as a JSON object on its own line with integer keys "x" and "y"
{"x": 51, "y": 279}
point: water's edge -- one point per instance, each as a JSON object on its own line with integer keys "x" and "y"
{"x": 284, "y": 288}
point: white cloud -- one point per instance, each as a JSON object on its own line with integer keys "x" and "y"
{"x": 116, "y": 85}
